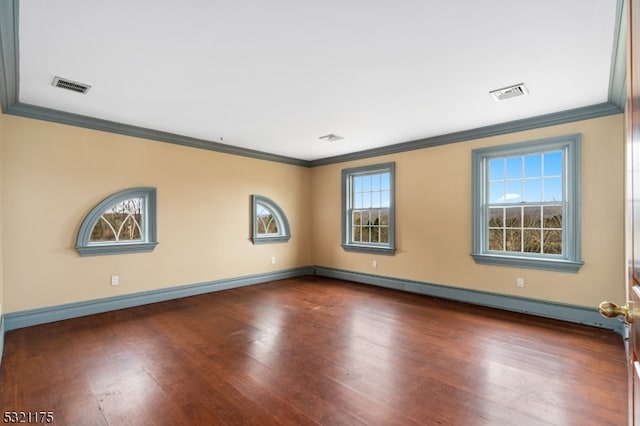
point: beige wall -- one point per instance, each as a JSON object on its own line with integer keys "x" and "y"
{"x": 2, "y": 138}
{"x": 54, "y": 174}
{"x": 433, "y": 216}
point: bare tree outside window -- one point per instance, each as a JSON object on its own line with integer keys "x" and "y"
{"x": 121, "y": 222}
{"x": 266, "y": 222}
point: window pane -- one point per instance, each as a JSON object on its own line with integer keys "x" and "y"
{"x": 514, "y": 191}
{"x": 496, "y": 240}
{"x": 553, "y": 242}
{"x": 357, "y": 184}
{"x": 102, "y": 231}
{"x": 365, "y": 234}
{"x": 375, "y": 182}
{"x": 553, "y": 189}
{"x": 514, "y": 168}
{"x": 532, "y": 217}
{"x": 552, "y": 216}
{"x": 553, "y": 164}
{"x": 384, "y": 234}
{"x": 384, "y": 216}
{"x": 121, "y": 222}
{"x": 496, "y": 169}
{"x": 366, "y": 200}
{"x": 356, "y": 234}
{"x": 357, "y": 201}
{"x": 266, "y": 220}
{"x": 273, "y": 226}
{"x": 385, "y": 199}
{"x": 513, "y": 239}
{"x": 496, "y": 217}
{"x": 496, "y": 192}
{"x": 375, "y": 200}
{"x": 531, "y": 241}
{"x": 357, "y": 218}
{"x": 385, "y": 181}
{"x": 374, "y": 217}
{"x": 375, "y": 234}
{"x": 532, "y": 190}
{"x": 130, "y": 230}
{"x": 366, "y": 183}
{"x": 533, "y": 166}
{"x": 513, "y": 217}
{"x": 266, "y": 224}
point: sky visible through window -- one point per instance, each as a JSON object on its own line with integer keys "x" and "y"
{"x": 535, "y": 178}
{"x": 371, "y": 191}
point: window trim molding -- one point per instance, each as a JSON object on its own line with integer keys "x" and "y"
{"x": 347, "y": 245}
{"x": 283, "y": 222}
{"x": 571, "y": 261}
{"x": 86, "y": 248}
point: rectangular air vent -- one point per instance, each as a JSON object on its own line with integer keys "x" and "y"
{"x": 71, "y": 85}
{"x": 509, "y": 92}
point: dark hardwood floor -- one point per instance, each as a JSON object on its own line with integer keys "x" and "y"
{"x": 315, "y": 351}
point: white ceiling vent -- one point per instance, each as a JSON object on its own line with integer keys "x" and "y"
{"x": 70, "y": 85}
{"x": 330, "y": 137}
{"x": 509, "y": 92}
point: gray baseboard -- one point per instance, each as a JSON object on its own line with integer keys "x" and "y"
{"x": 27, "y": 318}
{"x": 559, "y": 311}
{"x": 564, "y": 312}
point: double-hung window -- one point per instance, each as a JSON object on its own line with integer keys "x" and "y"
{"x": 368, "y": 209}
{"x": 526, "y": 204}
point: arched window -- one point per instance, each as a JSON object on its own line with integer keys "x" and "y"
{"x": 124, "y": 222}
{"x": 270, "y": 224}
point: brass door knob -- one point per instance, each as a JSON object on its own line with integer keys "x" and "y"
{"x": 611, "y": 310}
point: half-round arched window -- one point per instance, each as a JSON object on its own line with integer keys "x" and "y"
{"x": 270, "y": 225}
{"x": 124, "y": 222}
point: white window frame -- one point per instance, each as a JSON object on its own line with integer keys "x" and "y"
{"x": 347, "y": 206}
{"x": 86, "y": 247}
{"x": 571, "y": 258}
{"x": 284, "y": 231}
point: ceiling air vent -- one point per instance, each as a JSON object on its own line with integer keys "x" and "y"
{"x": 330, "y": 138}
{"x": 71, "y": 85}
{"x": 509, "y": 92}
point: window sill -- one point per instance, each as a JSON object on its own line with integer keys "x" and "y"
{"x": 558, "y": 265}
{"x": 270, "y": 240}
{"x": 385, "y": 251}
{"x": 106, "y": 249}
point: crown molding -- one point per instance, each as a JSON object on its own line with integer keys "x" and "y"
{"x": 47, "y": 114}
{"x": 9, "y": 101}
{"x": 584, "y": 113}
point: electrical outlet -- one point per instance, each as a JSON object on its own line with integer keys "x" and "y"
{"x": 273, "y": 260}
{"x": 115, "y": 280}
{"x": 374, "y": 264}
{"x": 520, "y": 282}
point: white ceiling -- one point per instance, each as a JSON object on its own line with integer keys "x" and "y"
{"x": 275, "y": 76}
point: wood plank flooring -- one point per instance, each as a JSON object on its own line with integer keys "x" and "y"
{"x": 311, "y": 351}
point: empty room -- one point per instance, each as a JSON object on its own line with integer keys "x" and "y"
{"x": 332, "y": 213}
